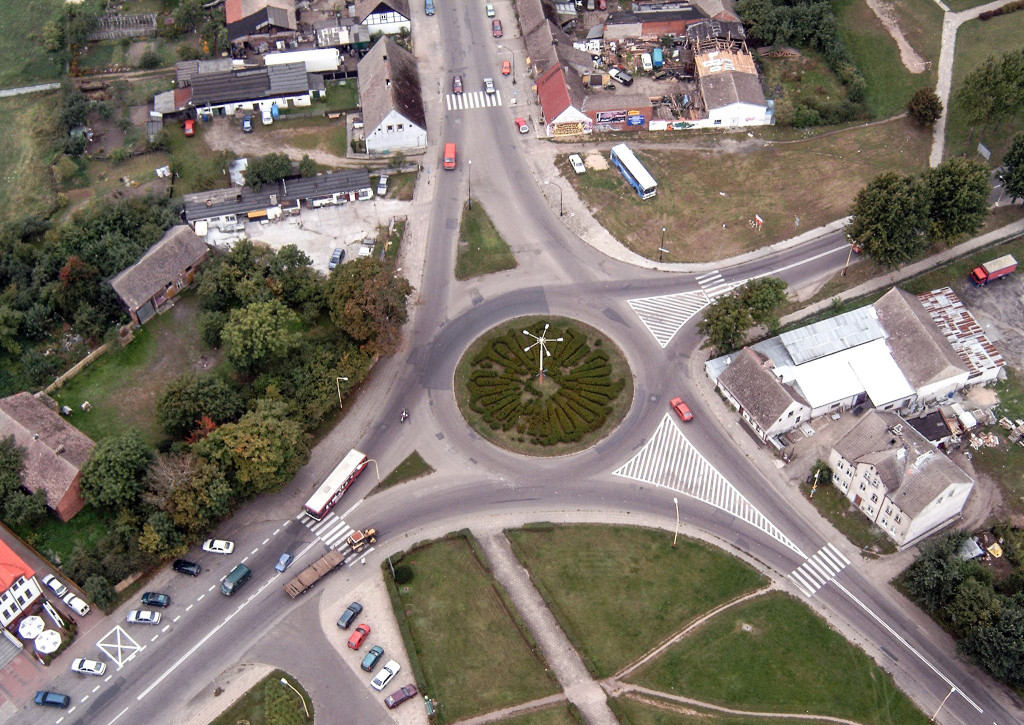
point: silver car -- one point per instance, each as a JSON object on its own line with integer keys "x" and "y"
{"x": 386, "y": 674}
{"x": 55, "y": 585}
{"x": 88, "y": 667}
{"x": 76, "y": 603}
{"x": 143, "y": 616}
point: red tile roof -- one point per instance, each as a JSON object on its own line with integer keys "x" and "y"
{"x": 553, "y": 92}
{"x": 11, "y": 567}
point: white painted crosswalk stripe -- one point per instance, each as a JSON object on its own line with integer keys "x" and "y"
{"x": 472, "y": 100}
{"x": 669, "y": 460}
{"x": 665, "y": 315}
{"x": 819, "y": 569}
{"x": 331, "y": 530}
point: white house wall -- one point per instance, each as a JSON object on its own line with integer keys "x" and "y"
{"x": 944, "y": 508}
{"x": 390, "y": 23}
{"x": 264, "y": 104}
{"x": 738, "y": 114}
{"x": 394, "y": 133}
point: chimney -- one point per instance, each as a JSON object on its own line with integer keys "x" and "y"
{"x": 59, "y": 449}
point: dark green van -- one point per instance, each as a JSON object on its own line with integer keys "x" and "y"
{"x": 233, "y": 581}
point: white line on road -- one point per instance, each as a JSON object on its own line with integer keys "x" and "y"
{"x": 264, "y": 542}
{"x": 155, "y": 637}
{"x": 176, "y": 618}
{"x": 165, "y": 628}
{"x": 255, "y": 550}
{"x": 96, "y": 688}
{"x": 84, "y": 698}
{"x": 203, "y": 595}
{"x": 274, "y": 534}
{"x": 108, "y": 678}
{"x": 243, "y": 561}
{"x": 189, "y": 607}
{"x": 117, "y": 716}
{"x": 72, "y": 709}
{"x": 60, "y": 720}
{"x": 345, "y": 515}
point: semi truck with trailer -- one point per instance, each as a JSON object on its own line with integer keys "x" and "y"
{"x": 314, "y": 573}
{"x": 991, "y": 271}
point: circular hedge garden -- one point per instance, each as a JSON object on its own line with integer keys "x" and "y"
{"x": 586, "y": 388}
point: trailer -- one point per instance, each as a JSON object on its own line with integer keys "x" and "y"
{"x": 993, "y": 270}
{"x": 320, "y": 60}
{"x": 314, "y": 573}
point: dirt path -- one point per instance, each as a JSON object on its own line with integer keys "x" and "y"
{"x": 911, "y": 60}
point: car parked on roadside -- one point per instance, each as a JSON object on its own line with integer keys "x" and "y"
{"x": 386, "y": 674}
{"x": 143, "y": 616}
{"x": 496, "y": 28}
{"x": 382, "y": 185}
{"x": 372, "y": 658}
{"x": 284, "y": 562}
{"x": 56, "y": 585}
{"x": 337, "y": 257}
{"x": 397, "y": 697}
{"x": 88, "y": 667}
{"x": 681, "y": 409}
{"x": 349, "y": 615}
{"x": 77, "y": 604}
{"x": 218, "y": 546}
{"x": 155, "y": 599}
{"x": 184, "y": 566}
{"x": 46, "y": 698}
{"x": 506, "y": 67}
{"x": 489, "y": 10}
{"x": 457, "y": 85}
{"x": 576, "y": 162}
{"x": 359, "y": 636}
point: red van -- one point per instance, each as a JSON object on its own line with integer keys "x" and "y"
{"x": 449, "y": 156}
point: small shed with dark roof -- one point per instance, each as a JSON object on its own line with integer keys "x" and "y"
{"x": 389, "y": 90}
{"x": 165, "y": 269}
{"x": 55, "y": 451}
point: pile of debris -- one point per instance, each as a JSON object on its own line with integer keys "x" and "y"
{"x": 988, "y": 440}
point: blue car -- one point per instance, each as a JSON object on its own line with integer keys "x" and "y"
{"x": 284, "y": 562}
{"x": 52, "y": 699}
{"x": 372, "y": 658}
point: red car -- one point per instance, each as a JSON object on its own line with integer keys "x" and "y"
{"x": 506, "y": 67}
{"x": 457, "y": 85}
{"x": 359, "y": 636}
{"x": 190, "y": 127}
{"x": 496, "y": 28}
{"x": 681, "y": 409}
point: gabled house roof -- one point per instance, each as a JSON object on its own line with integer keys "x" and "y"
{"x": 956, "y": 323}
{"x": 12, "y": 567}
{"x": 55, "y": 449}
{"x": 913, "y": 472}
{"x": 389, "y": 80}
{"x": 365, "y": 8}
{"x": 178, "y": 249}
{"x": 249, "y": 17}
{"x": 250, "y": 84}
{"x": 186, "y": 70}
{"x": 922, "y": 352}
{"x": 559, "y": 89}
{"x": 750, "y": 380}
{"x": 724, "y": 89}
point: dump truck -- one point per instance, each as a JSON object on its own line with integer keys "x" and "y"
{"x": 359, "y": 539}
{"x": 993, "y": 270}
{"x": 314, "y": 573}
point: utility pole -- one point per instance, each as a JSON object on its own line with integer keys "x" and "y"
{"x": 542, "y": 347}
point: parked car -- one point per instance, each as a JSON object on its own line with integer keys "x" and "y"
{"x": 143, "y": 616}
{"x": 382, "y": 185}
{"x": 55, "y": 585}
{"x": 88, "y": 667}
{"x": 246, "y": 124}
{"x": 489, "y": 9}
{"x": 267, "y": 117}
{"x": 218, "y": 546}
{"x": 681, "y": 409}
{"x": 397, "y": 697}
{"x": 576, "y": 162}
{"x": 359, "y": 636}
{"x": 190, "y": 127}
{"x": 386, "y": 674}
{"x": 350, "y": 614}
{"x": 337, "y": 257}
{"x": 506, "y": 67}
{"x": 286, "y": 559}
{"x": 372, "y": 658}
{"x": 521, "y": 125}
{"x": 155, "y": 599}
{"x": 77, "y": 604}
{"x": 184, "y": 566}
{"x": 489, "y": 85}
{"x": 457, "y": 85}
{"x": 496, "y": 28}
{"x": 51, "y": 699}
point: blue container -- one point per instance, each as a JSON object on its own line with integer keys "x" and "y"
{"x": 274, "y": 111}
{"x": 657, "y": 58}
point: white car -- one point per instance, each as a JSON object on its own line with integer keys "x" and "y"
{"x": 386, "y": 674}
{"x": 489, "y": 85}
{"x": 382, "y": 185}
{"x": 55, "y": 584}
{"x": 143, "y": 616}
{"x": 577, "y": 163}
{"x": 489, "y": 10}
{"x": 76, "y": 603}
{"x": 88, "y": 667}
{"x": 218, "y": 546}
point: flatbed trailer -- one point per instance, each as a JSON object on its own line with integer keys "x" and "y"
{"x": 313, "y": 573}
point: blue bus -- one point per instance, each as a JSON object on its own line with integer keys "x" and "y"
{"x": 633, "y": 171}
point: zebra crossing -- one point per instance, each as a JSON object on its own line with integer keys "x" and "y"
{"x": 714, "y": 286}
{"x": 665, "y": 315}
{"x": 819, "y": 570}
{"x": 331, "y": 530}
{"x": 473, "y": 99}
{"x": 670, "y": 461}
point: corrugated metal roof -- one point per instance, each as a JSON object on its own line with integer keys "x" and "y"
{"x": 832, "y": 335}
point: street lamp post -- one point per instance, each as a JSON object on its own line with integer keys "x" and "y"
{"x": 512, "y": 55}
{"x": 661, "y": 249}
{"x": 676, "y": 502}
{"x": 560, "y": 206}
{"x": 305, "y": 709}
{"x": 469, "y": 198}
{"x": 370, "y": 460}
{"x": 338, "y": 381}
{"x": 542, "y": 347}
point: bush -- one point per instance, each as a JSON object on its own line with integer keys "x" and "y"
{"x": 149, "y": 60}
{"x": 403, "y": 574}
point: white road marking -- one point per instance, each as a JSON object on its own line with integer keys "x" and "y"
{"x": 108, "y": 678}
{"x": 245, "y": 559}
{"x": 84, "y": 698}
{"x": 118, "y": 645}
{"x": 256, "y": 549}
{"x": 274, "y": 534}
{"x": 117, "y": 716}
{"x": 819, "y": 569}
{"x": 155, "y": 636}
{"x": 96, "y": 688}
{"x": 72, "y": 709}
{"x": 189, "y": 607}
{"x": 203, "y": 595}
{"x": 176, "y": 618}
{"x": 265, "y": 541}
{"x": 166, "y": 627}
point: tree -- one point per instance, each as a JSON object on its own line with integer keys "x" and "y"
{"x": 189, "y": 397}
{"x": 307, "y": 167}
{"x": 25, "y": 510}
{"x": 12, "y": 465}
{"x": 367, "y": 299}
{"x": 724, "y": 324}
{"x": 188, "y": 15}
{"x": 958, "y": 195}
{"x": 74, "y": 106}
{"x": 113, "y": 475}
{"x": 925, "y": 107}
{"x": 199, "y": 502}
{"x": 99, "y": 590}
{"x": 999, "y": 647}
{"x": 10, "y": 324}
{"x": 937, "y": 573}
{"x": 762, "y": 297}
{"x": 160, "y": 537}
{"x": 890, "y": 218}
{"x": 259, "y": 333}
{"x": 267, "y": 169}
{"x": 1013, "y": 163}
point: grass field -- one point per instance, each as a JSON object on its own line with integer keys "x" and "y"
{"x": 976, "y": 41}
{"x": 481, "y": 248}
{"x": 269, "y": 702}
{"x": 801, "y": 78}
{"x": 921, "y": 23}
{"x": 641, "y": 710}
{"x": 851, "y": 523}
{"x": 411, "y": 468}
{"x": 889, "y": 83}
{"x": 475, "y": 658}
{"x": 23, "y": 61}
{"x": 648, "y": 589}
{"x": 815, "y": 180}
{"x": 123, "y": 384}
{"x": 556, "y": 715}
{"x": 26, "y": 182}
{"x": 957, "y": 5}
{"x": 196, "y": 164}
{"x": 56, "y": 539}
{"x": 774, "y": 654}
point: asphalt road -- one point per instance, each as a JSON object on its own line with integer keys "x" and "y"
{"x": 205, "y": 633}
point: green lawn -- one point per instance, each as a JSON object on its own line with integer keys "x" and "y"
{"x": 921, "y": 23}
{"x": 340, "y": 97}
{"x": 814, "y": 179}
{"x": 648, "y": 590}
{"x": 801, "y": 78}
{"x": 412, "y": 467}
{"x": 957, "y": 5}
{"x": 22, "y": 58}
{"x": 889, "y": 83}
{"x": 269, "y": 702}
{"x": 555, "y": 715}
{"x": 25, "y": 184}
{"x": 197, "y": 165}
{"x": 481, "y": 248}
{"x": 635, "y": 711}
{"x": 123, "y": 384}
{"x": 976, "y": 41}
{"x": 55, "y": 539}
{"x": 774, "y": 654}
{"x": 474, "y": 654}
{"x": 851, "y": 523}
